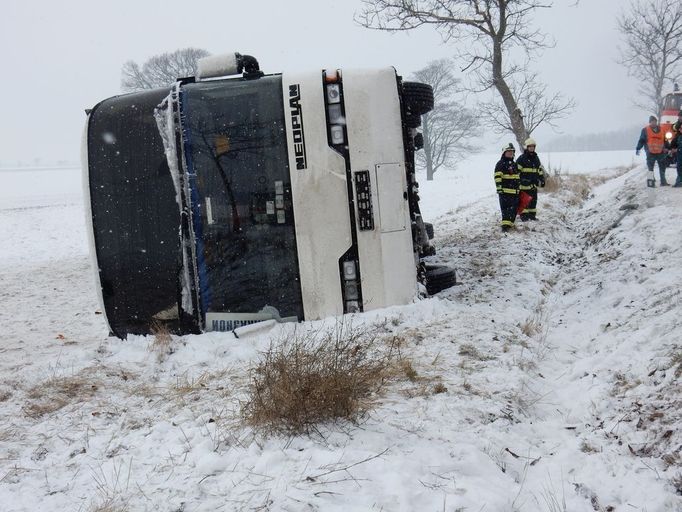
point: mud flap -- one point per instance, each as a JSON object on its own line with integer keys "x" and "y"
{"x": 439, "y": 277}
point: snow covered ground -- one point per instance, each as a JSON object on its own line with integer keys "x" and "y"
{"x": 559, "y": 356}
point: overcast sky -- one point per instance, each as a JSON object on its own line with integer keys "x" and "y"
{"x": 60, "y": 58}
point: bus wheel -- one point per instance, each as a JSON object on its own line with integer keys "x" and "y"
{"x": 418, "y": 98}
{"x": 438, "y": 278}
{"x": 413, "y": 121}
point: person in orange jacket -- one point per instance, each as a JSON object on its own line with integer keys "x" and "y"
{"x": 652, "y": 139}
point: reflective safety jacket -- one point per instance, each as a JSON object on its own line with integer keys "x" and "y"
{"x": 655, "y": 140}
{"x": 506, "y": 176}
{"x": 530, "y": 170}
{"x": 652, "y": 140}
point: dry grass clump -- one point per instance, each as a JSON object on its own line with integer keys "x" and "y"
{"x": 586, "y": 447}
{"x": 439, "y": 388}
{"x": 56, "y": 393}
{"x": 531, "y": 326}
{"x": 580, "y": 186}
{"x": 408, "y": 370}
{"x": 188, "y": 388}
{"x": 110, "y": 506}
{"x": 553, "y": 182}
{"x": 471, "y": 351}
{"x": 676, "y": 362}
{"x": 161, "y": 342}
{"x": 314, "y": 377}
{"x": 8, "y": 434}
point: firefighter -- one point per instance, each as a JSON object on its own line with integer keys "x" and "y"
{"x": 532, "y": 176}
{"x": 677, "y": 147}
{"x": 507, "y": 184}
{"x": 652, "y": 139}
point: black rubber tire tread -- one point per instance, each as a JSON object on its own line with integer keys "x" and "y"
{"x": 438, "y": 278}
{"x": 429, "y": 230}
{"x": 418, "y": 97}
{"x": 413, "y": 121}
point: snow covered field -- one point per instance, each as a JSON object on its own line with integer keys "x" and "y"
{"x": 559, "y": 353}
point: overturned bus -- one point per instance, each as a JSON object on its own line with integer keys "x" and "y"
{"x": 234, "y": 197}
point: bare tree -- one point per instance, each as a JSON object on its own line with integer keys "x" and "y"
{"x": 652, "y": 33}
{"x": 161, "y": 70}
{"x": 449, "y": 127}
{"x": 488, "y": 30}
{"x": 533, "y": 100}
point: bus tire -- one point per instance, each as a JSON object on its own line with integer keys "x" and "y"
{"x": 413, "y": 121}
{"x": 418, "y": 98}
{"x": 438, "y": 278}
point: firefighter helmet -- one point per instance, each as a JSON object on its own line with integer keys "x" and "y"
{"x": 508, "y": 147}
{"x": 529, "y": 142}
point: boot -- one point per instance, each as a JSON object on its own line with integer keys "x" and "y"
{"x": 663, "y": 182}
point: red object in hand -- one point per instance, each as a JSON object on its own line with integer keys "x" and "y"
{"x": 524, "y": 200}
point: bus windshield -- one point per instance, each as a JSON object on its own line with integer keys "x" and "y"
{"x": 240, "y": 190}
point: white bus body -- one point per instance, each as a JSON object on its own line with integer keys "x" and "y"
{"x": 294, "y": 197}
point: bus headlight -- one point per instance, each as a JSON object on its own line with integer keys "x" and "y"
{"x": 349, "y": 272}
{"x": 352, "y": 306}
{"x": 333, "y": 93}
{"x": 336, "y": 131}
{"x": 335, "y": 114}
{"x": 351, "y": 290}
{"x": 336, "y": 117}
{"x": 668, "y": 136}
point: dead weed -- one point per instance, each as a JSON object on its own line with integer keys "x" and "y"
{"x": 314, "y": 377}
{"x": 58, "y": 392}
{"x": 161, "y": 343}
{"x": 471, "y": 351}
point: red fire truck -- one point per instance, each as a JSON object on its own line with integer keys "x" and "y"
{"x": 670, "y": 108}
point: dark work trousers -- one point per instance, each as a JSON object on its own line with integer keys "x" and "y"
{"x": 530, "y": 212}
{"x": 508, "y": 205}
{"x": 678, "y": 181}
{"x": 651, "y": 160}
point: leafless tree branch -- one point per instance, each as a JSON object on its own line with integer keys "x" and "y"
{"x": 161, "y": 70}
{"x": 450, "y": 126}
{"x": 488, "y": 31}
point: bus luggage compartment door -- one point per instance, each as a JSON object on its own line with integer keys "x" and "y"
{"x": 392, "y": 202}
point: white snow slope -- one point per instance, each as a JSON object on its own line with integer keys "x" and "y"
{"x": 560, "y": 354}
